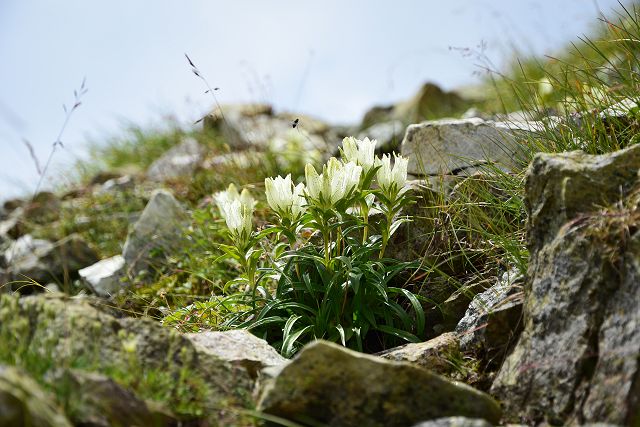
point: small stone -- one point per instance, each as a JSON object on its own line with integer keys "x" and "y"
{"x": 239, "y": 347}
{"x": 434, "y": 355}
{"x": 178, "y": 162}
{"x": 103, "y": 277}
{"x": 157, "y": 233}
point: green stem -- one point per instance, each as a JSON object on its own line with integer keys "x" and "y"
{"x": 365, "y": 218}
{"x": 386, "y": 233}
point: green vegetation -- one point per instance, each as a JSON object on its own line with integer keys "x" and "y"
{"x": 291, "y": 271}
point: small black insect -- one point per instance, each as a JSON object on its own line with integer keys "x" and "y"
{"x": 294, "y": 124}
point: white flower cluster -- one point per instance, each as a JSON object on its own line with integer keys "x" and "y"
{"x": 339, "y": 181}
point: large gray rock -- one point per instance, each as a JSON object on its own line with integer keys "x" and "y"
{"x": 43, "y": 261}
{"x": 63, "y": 331}
{"x": 239, "y": 347}
{"x": 578, "y": 358}
{"x": 456, "y": 145}
{"x": 178, "y": 162}
{"x": 330, "y": 385}
{"x": 24, "y": 403}
{"x": 103, "y": 277}
{"x": 493, "y": 319}
{"x": 158, "y": 232}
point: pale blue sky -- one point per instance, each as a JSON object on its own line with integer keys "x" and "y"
{"x": 331, "y": 58}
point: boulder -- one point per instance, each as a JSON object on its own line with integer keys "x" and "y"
{"x": 56, "y": 330}
{"x": 493, "y": 320}
{"x": 24, "y": 403}
{"x": 97, "y": 400}
{"x": 43, "y": 261}
{"x": 457, "y": 145}
{"x": 239, "y": 347}
{"x": 157, "y": 233}
{"x": 578, "y": 357}
{"x": 434, "y": 355}
{"x": 180, "y": 161}
{"x": 103, "y": 277}
{"x": 330, "y": 385}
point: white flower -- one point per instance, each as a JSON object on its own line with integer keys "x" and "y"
{"x": 392, "y": 180}
{"x": 360, "y": 152}
{"x": 545, "y": 87}
{"x": 336, "y": 181}
{"x": 238, "y": 217}
{"x": 223, "y": 198}
{"x": 284, "y": 198}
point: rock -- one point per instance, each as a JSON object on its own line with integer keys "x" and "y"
{"x": 455, "y": 422}
{"x": 494, "y": 318}
{"x": 24, "y": 403}
{"x": 12, "y": 204}
{"x": 180, "y": 161}
{"x": 453, "y": 309}
{"x": 64, "y": 331}
{"x": 388, "y": 134}
{"x": 429, "y": 103}
{"x": 578, "y": 357}
{"x": 452, "y": 146}
{"x": 330, "y": 385}
{"x": 43, "y": 261}
{"x": 561, "y": 187}
{"x": 434, "y": 355}
{"x": 474, "y": 112}
{"x": 13, "y": 226}
{"x": 99, "y": 401}
{"x": 115, "y": 185}
{"x": 377, "y": 114}
{"x": 157, "y": 233}
{"x": 102, "y": 177}
{"x": 44, "y": 207}
{"x": 239, "y": 347}
{"x": 103, "y": 277}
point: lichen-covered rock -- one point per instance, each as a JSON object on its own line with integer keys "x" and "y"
{"x": 330, "y": 385}
{"x": 493, "y": 320}
{"x": 239, "y": 347}
{"x": 97, "y": 400}
{"x": 178, "y": 162}
{"x": 453, "y": 146}
{"x": 24, "y": 403}
{"x": 561, "y": 187}
{"x": 64, "y": 331}
{"x": 578, "y": 357}
{"x": 435, "y": 355}
{"x": 103, "y": 277}
{"x": 158, "y": 232}
{"x": 43, "y": 261}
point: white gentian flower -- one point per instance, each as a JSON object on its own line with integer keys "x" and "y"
{"x": 360, "y": 152}
{"x": 335, "y": 182}
{"x": 285, "y": 199}
{"x": 223, "y": 198}
{"x": 392, "y": 180}
{"x": 238, "y": 217}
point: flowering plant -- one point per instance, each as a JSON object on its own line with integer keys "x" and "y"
{"x": 338, "y": 289}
